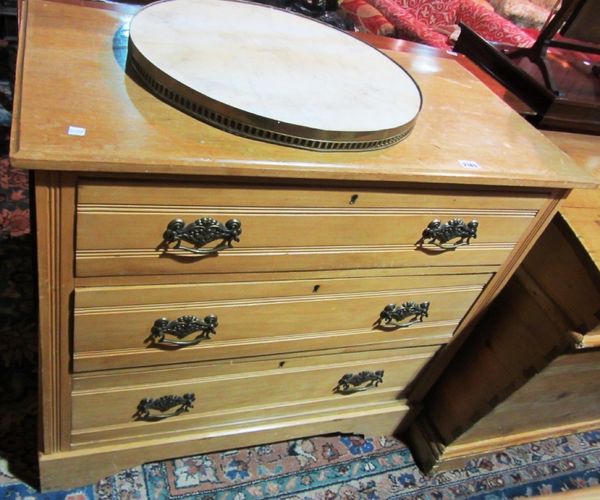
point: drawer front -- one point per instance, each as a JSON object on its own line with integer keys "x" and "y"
{"x": 127, "y": 331}
{"x": 115, "y": 191}
{"x": 130, "y": 229}
{"x": 191, "y": 438}
{"x": 90, "y": 263}
{"x": 282, "y": 228}
{"x": 221, "y": 398}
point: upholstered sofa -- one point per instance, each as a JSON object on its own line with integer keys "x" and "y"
{"x": 433, "y": 22}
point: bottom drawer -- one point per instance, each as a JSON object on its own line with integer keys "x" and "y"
{"x": 118, "y": 406}
{"x": 85, "y": 464}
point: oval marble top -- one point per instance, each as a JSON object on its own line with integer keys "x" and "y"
{"x": 270, "y": 74}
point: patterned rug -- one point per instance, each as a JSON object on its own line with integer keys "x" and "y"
{"x": 324, "y": 468}
{"x": 345, "y": 468}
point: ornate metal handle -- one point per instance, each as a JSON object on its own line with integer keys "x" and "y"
{"x": 392, "y": 314}
{"x": 162, "y": 405}
{"x": 362, "y": 381}
{"x": 200, "y": 232}
{"x": 440, "y": 234}
{"x": 181, "y": 328}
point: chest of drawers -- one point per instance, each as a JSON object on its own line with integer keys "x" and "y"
{"x": 319, "y": 307}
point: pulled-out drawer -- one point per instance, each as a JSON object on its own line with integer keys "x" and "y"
{"x": 159, "y": 401}
{"x": 143, "y": 325}
{"x": 137, "y": 228}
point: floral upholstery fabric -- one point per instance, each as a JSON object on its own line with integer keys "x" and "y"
{"x": 432, "y": 12}
{"x": 408, "y": 27}
{"x": 366, "y": 17}
{"x": 492, "y": 26}
{"x": 485, "y": 3}
{"x": 430, "y": 21}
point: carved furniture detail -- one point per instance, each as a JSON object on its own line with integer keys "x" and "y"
{"x": 362, "y": 381}
{"x": 162, "y": 405}
{"x": 181, "y": 328}
{"x": 200, "y": 232}
{"x": 392, "y": 314}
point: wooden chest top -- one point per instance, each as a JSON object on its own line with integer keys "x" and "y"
{"x": 71, "y": 74}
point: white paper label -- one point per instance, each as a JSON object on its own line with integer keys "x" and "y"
{"x": 469, "y": 164}
{"x": 77, "y": 131}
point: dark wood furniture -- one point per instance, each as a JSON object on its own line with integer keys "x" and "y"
{"x": 561, "y": 86}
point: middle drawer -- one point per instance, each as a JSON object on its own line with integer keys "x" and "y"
{"x": 140, "y": 325}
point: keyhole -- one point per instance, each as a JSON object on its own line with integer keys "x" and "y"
{"x": 281, "y": 364}
{"x": 353, "y": 199}
{"x": 316, "y": 288}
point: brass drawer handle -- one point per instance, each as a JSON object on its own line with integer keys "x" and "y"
{"x": 181, "y": 328}
{"x": 200, "y": 232}
{"x": 162, "y": 405}
{"x": 392, "y": 314}
{"x": 440, "y": 234}
{"x": 362, "y": 381}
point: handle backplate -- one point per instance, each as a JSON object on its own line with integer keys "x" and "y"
{"x": 201, "y": 232}
{"x": 181, "y": 328}
{"x": 391, "y": 315}
{"x": 162, "y": 405}
{"x": 351, "y": 383}
{"x": 441, "y": 234}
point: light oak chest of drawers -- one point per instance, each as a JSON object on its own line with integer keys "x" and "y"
{"x": 150, "y": 350}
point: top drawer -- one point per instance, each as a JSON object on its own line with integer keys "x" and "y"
{"x": 121, "y": 225}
